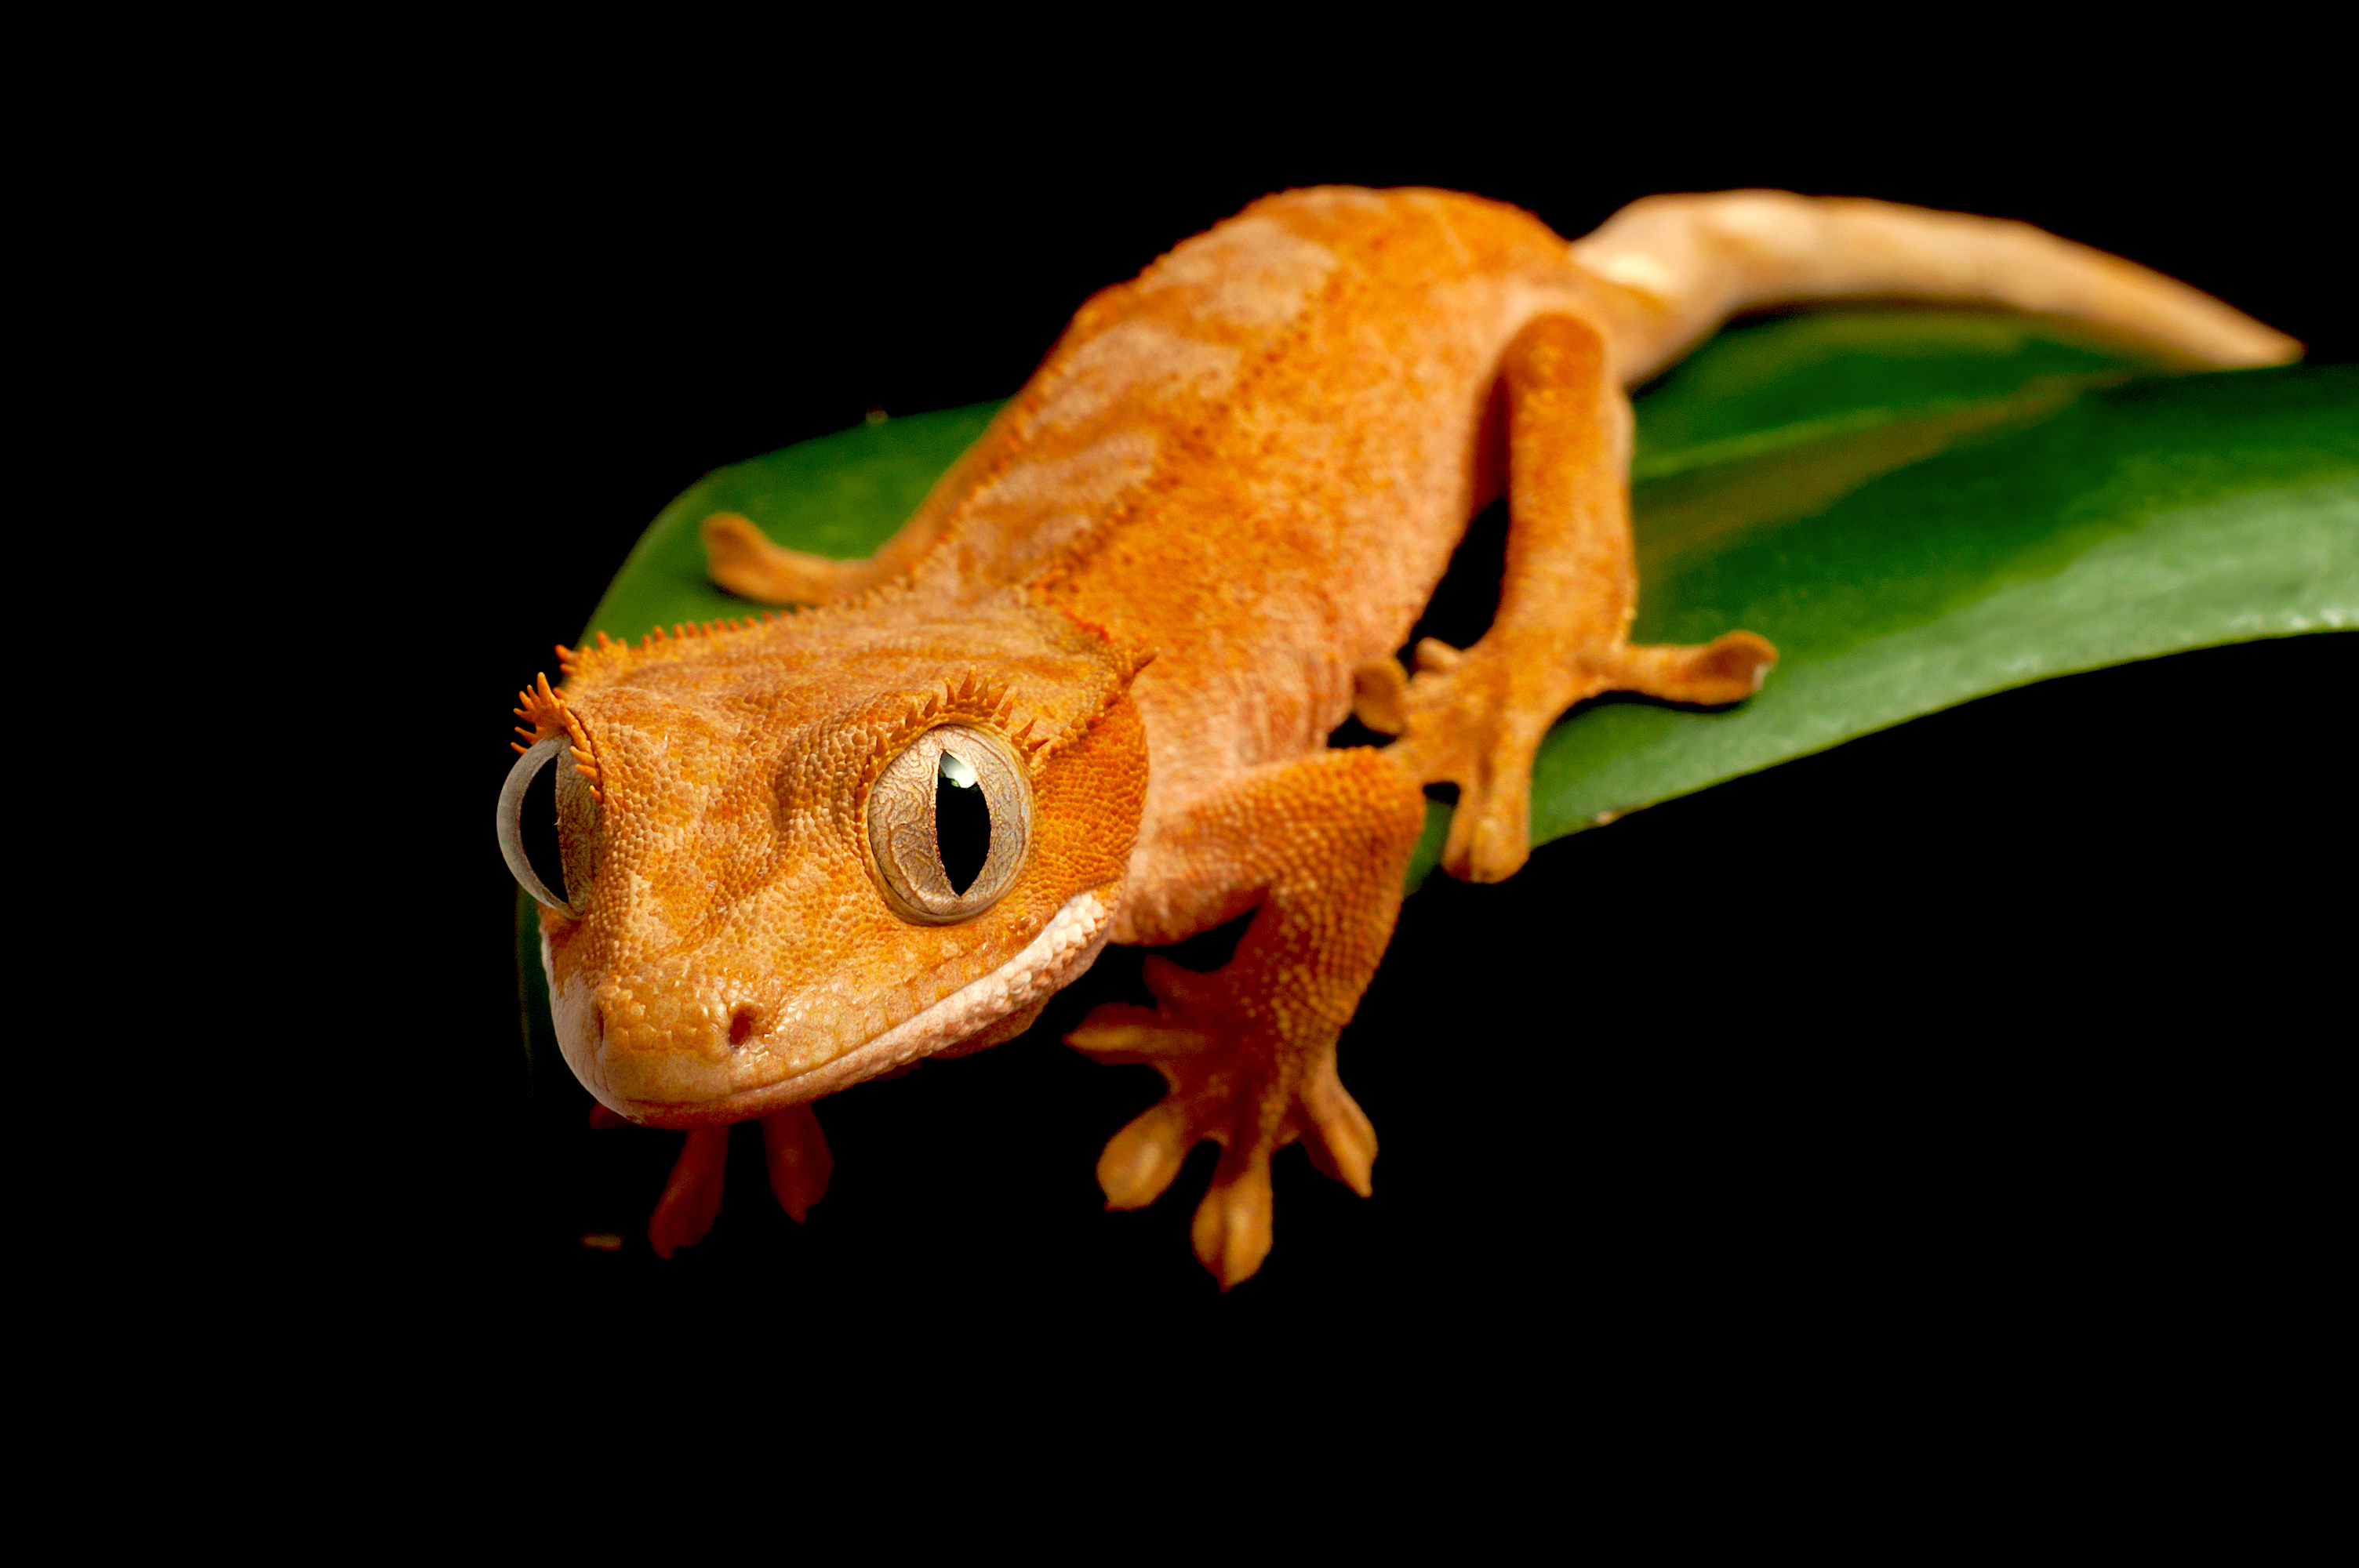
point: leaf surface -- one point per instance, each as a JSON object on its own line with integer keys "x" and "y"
{"x": 1917, "y": 507}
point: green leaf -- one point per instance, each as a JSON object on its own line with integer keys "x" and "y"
{"x": 1961, "y": 547}
{"x": 1917, "y": 507}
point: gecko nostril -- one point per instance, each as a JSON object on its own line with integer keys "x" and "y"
{"x": 741, "y": 1026}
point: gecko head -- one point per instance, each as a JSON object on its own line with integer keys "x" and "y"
{"x": 791, "y": 856}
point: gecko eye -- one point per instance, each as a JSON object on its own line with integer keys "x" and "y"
{"x": 549, "y": 826}
{"x": 948, "y": 822}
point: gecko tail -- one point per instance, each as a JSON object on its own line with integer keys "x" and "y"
{"x": 1685, "y": 264}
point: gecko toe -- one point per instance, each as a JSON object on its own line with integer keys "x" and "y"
{"x": 691, "y": 1198}
{"x": 1140, "y": 1161}
{"x": 1118, "y": 1032}
{"x": 796, "y": 1150}
{"x": 1336, "y": 1133}
{"x": 1231, "y": 1229}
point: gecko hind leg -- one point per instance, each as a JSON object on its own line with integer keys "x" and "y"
{"x": 1476, "y": 718}
{"x": 739, "y": 558}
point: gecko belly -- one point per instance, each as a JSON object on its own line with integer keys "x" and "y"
{"x": 735, "y": 1082}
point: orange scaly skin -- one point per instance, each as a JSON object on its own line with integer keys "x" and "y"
{"x": 1174, "y": 563}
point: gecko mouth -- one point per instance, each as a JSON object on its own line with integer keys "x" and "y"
{"x": 1064, "y": 949}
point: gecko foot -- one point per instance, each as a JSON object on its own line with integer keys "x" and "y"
{"x": 792, "y": 1146}
{"x": 1475, "y": 718}
{"x": 1234, "y": 1079}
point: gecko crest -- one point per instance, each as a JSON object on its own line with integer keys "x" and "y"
{"x": 974, "y": 700}
{"x": 549, "y": 717}
{"x": 603, "y": 656}
{"x": 605, "y": 659}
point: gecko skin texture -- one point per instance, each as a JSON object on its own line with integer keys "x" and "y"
{"x": 1135, "y": 609}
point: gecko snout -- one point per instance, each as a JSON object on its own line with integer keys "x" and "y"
{"x": 668, "y": 1041}
{"x": 674, "y": 1008}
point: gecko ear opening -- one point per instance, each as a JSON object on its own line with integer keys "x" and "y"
{"x": 548, "y": 828}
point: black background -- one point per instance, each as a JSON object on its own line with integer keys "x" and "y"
{"x": 1990, "y": 1036}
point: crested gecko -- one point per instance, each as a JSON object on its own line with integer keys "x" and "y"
{"x": 1084, "y": 695}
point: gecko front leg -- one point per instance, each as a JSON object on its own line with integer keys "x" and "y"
{"x": 1475, "y": 718}
{"x": 1316, "y": 849}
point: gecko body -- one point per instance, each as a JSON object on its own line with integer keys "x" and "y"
{"x": 1086, "y": 694}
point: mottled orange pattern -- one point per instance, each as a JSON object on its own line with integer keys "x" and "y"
{"x": 1189, "y": 548}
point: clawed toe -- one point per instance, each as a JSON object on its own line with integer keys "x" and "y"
{"x": 794, "y": 1149}
{"x": 1337, "y": 1134}
{"x": 1231, "y": 1229}
{"x": 691, "y": 1198}
{"x": 1140, "y": 1161}
{"x": 1116, "y": 1031}
{"x": 1490, "y": 837}
{"x": 1729, "y": 668}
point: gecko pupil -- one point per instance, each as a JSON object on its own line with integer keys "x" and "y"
{"x": 961, "y": 822}
{"x": 537, "y": 817}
